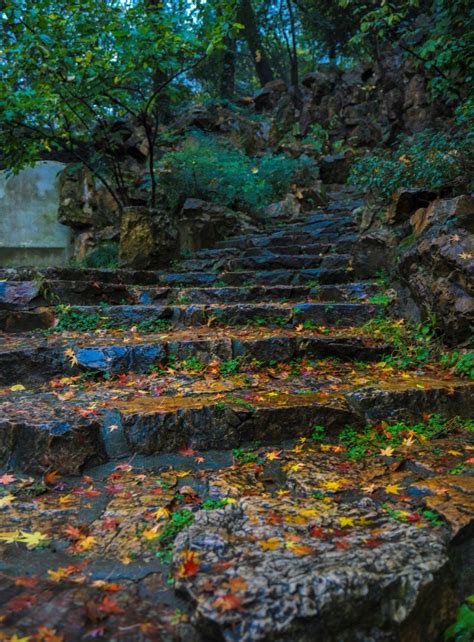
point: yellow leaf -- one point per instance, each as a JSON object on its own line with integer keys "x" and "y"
{"x": 151, "y": 533}
{"x": 9, "y": 536}
{"x": 299, "y": 549}
{"x": 71, "y": 355}
{"x": 346, "y": 521}
{"x": 270, "y": 544}
{"x": 394, "y": 489}
{"x": 32, "y": 540}
{"x": 17, "y": 387}
{"x": 332, "y": 485}
{"x": 386, "y": 452}
{"x": 6, "y": 500}
{"x": 309, "y": 512}
{"x": 161, "y": 513}
{"x": 84, "y": 544}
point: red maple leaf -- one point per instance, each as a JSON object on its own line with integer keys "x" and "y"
{"x": 190, "y": 564}
{"x": 227, "y": 602}
{"x": 187, "y": 452}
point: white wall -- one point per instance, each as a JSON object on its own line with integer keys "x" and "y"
{"x": 29, "y": 230}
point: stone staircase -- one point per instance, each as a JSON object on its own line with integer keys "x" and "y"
{"x": 256, "y": 340}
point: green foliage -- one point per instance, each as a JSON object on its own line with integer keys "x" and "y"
{"x": 179, "y": 520}
{"x": 204, "y": 167}
{"x": 318, "y": 433}
{"x": 379, "y": 299}
{"x": 462, "y": 630}
{"x": 462, "y": 363}
{"x": 155, "y": 325}
{"x": 441, "y": 42}
{"x": 103, "y": 256}
{"x": 431, "y": 159}
{"x": 247, "y": 455}
{"x": 317, "y": 137}
{"x": 214, "y": 504}
{"x": 412, "y": 345}
{"x": 69, "y": 319}
{"x": 229, "y": 367}
{"x": 370, "y": 440}
{"x": 70, "y": 68}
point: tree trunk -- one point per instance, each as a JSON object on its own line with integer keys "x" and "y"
{"x": 227, "y": 80}
{"x": 262, "y": 64}
{"x": 295, "y": 81}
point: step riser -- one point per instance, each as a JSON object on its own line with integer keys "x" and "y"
{"x": 37, "y": 365}
{"x": 307, "y": 248}
{"x": 340, "y": 314}
{"x": 284, "y": 237}
{"x": 66, "y": 444}
{"x": 82, "y": 292}
{"x": 269, "y": 262}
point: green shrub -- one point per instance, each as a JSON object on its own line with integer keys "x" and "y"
{"x": 207, "y": 168}
{"x": 103, "y": 256}
{"x": 430, "y": 159}
{"x": 463, "y": 628}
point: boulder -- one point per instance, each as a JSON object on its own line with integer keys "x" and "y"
{"x": 84, "y": 204}
{"x": 77, "y": 203}
{"x": 287, "y": 208}
{"x": 148, "y": 238}
{"x": 268, "y": 96}
{"x": 406, "y": 201}
{"x": 437, "y": 269}
{"x": 202, "y": 224}
{"x": 373, "y": 252}
{"x": 335, "y": 168}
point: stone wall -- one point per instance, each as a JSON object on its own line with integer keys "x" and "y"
{"x": 30, "y": 233}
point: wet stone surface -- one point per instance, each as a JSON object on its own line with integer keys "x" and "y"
{"x": 295, "y": 533}
{"x": 237, "y": 449}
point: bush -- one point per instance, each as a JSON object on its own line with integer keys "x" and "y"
{"x": 103, "y": 256}
{"x": 434, "y": 160}
{"x": 211, "y": 170}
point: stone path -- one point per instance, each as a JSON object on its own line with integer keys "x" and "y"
{"x": 227, "y": 451}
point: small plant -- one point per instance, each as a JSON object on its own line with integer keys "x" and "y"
{"x": 214, "y": 504}
{"x": 191, "y": 364}
{"x": 247, "y": 455}
{"x": 462, "y": 630}
{"x": 318, "y": 138}
{"x": 412, "y": 345}
{"x": 178, "y": 520}
{"x": 155, "y": 325}
{"x": 461, "y": 363}
{"x": 241, "y": 402}
{"x": 229, "y": 367}
{"x": 318, "y": 434}
{"x": 380, "y": 299}
{"x": 104, "y": 256}
{"x": 69, "y": 319}
{"x": 370, "y": 440}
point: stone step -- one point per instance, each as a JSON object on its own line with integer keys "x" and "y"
{"x": 23, "y": 295}
{"x": 282, "y": 237}
{"x": 25, "y": 320}
{"x": 337, "y": 314}
{"x": 53, "y": 430}
{"x": 268, "y": 261}
{"x": 26, "y": 360}
{"x": 307, "y": 248}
